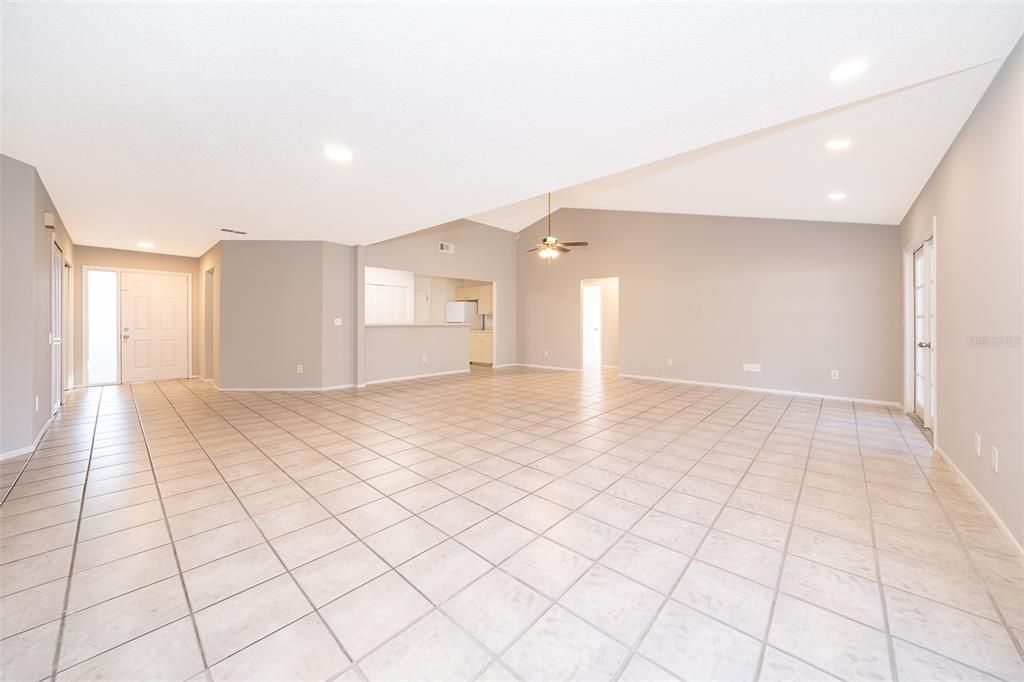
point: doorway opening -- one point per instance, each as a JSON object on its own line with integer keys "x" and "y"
{"x": 136, "y": 326}
{"x": 591, "y": 351}
{"x": 920, "y": 388}
{"x": 599, "y": 323}
{"x": 208, "y": 323}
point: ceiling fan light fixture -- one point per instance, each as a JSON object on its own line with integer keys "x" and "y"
{"x": 548, "y": 252}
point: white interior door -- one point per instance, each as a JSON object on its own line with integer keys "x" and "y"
{"x": 924, "y": 333}
{"x": 154, "y": 326}
{"x": 592, "y": 325}
{"x": 56, "y": 328}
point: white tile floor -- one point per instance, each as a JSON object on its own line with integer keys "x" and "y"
{"x": 511, "y": 524}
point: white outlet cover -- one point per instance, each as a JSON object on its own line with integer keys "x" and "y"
{"x": 751, "y": 367}
{"x": 337, "y": 322}
{"x": 834, "y": 374}
{"x": 545, "y": 353}
{"x": 298, "y": 369}
{"x": 668, "y": 362}
{"x": 424, "y": 358}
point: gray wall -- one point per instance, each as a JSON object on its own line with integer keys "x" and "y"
{"x": 482, "y": 253}
{"x": 711, "y": 293}
{"x": 271, "y": 309}
{"x": 277, "y": 302}
{"x": 210, "y": 365}
{"x": 25, "y": 303}
{"x": 977, "y": 197}
{"x": 339, "y": 289}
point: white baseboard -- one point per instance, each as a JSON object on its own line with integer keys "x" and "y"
{"x": 777, "y": 391}
{"x": 415, "y": 376}
{"x": 1003, "y": 528}
{"x": 283, "y": 390}
{"x": 554, "y": 367}
{"x": 11, "y": 454}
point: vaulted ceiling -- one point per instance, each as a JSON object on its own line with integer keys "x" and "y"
{"x": 166, "y": 122}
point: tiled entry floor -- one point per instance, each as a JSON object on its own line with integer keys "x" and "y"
{"x": 498, "y": 525}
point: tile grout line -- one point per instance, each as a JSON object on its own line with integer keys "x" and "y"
{"x": 167, "y": 528}
{"x": 759, "y": 669}
{"x": 74, "y": 547}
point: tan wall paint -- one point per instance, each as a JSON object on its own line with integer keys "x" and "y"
{"x": 91, "y": 256}
{"x": 482, "y": 253}
{"x": 711, "y": 293}
{"x": 394, "y": 352}
{"x": 976, "y": 195}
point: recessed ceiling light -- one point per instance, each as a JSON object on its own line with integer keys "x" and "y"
{"x": 838, "y": 144}
{"x": 145, "y": 245}
{"x": 848, "y": 69}
{"x": 335, "y": 152}
{"x": 837, "y": 196}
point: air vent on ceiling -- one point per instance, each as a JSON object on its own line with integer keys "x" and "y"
{"x": 446, "y": 247}
{"x": 228, "y": 229}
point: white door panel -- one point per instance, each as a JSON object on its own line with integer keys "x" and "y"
{"x": 924, "y": 333}
{"x": 154, "y": 326}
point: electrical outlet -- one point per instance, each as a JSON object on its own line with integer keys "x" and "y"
{"x": 545, "y": 353}
{"x": 751, "y": 367}
{"x": 995, "y": 459}
{"x": 337, "y": 322}
{"x": 834, "y": 374}
{"x": 298, "y": 369}
{"x": 977, "y": 444}
{"x": 424, "y": 358}
{"x": 668, "y": 362}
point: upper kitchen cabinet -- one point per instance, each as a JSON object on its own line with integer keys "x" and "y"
{"x": 483, "y": 295}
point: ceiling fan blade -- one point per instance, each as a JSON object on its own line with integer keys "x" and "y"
{"x": 533, "y": 249}
{"x": 575, "y": 243}
{"x": 561, "y": 248}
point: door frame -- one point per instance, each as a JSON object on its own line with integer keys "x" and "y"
{"x": 85, "y": 316}
{"x": 908, "y": 326}
{"x": 65, "y": 321}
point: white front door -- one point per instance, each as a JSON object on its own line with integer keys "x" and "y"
{"x": 154, "y": 326}
{"x": 924, "y": 333}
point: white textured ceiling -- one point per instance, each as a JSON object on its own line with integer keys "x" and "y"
{"x": 785, "y": 171}
{"x": 165, "y": 122}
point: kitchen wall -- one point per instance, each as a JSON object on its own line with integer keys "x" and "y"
{"x": 135, "y": 260}
{"x": 25, "y": 253}
{"x": 482, "y": 253}
{"x": 711, "y": 293}
{"x": 404, "y": 351}
{"x": 976, "y": 196}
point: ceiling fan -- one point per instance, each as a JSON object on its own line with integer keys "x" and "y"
{"x": 550, "y": 247}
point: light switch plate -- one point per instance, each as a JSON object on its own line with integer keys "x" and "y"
{"x": 834, "y": 374}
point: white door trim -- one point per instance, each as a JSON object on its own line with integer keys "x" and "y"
{"x": 908, "y": 324}
{"x": 85, "y": 316}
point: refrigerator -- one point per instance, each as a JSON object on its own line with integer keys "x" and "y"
{"x": 461, "y": 312}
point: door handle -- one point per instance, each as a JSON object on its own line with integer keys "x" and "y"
{"x": 124, "y": 337}
{"x": 922, "y": 344}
